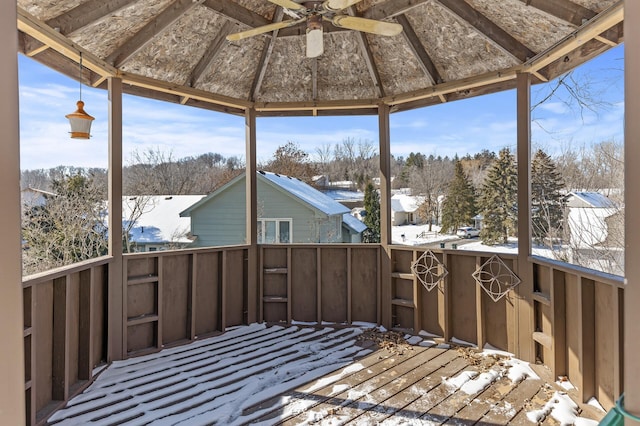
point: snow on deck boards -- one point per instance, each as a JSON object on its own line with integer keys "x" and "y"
{"x": 270, "y": 375}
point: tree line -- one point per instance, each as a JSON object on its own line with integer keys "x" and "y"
{"x": 454, "y": 190}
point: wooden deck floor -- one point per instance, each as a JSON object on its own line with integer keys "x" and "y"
{"x": 299, "y": 375}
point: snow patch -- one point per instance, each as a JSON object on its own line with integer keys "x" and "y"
{"x": 481, "y": 382}
{"x": 455, "y": 383}
{"x": 562, "y": 409}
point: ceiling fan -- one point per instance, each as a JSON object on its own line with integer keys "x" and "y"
{"x": 313, "y": 13}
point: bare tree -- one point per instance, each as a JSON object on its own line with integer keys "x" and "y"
{"x": 69, "y": 228}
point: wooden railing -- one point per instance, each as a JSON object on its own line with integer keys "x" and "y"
{"x": 338, "y": 283}
{"x": 64, "y": 333}
{"x": 579, "y": 327}
{"x": 174, "y": 297}
{"x": 458, "y": 307}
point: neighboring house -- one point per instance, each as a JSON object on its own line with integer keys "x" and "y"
{"x": 289, "y": 211}
{"x": 352, "y": 229}
{"x": 595, "y": 232}
{"x": 587, "y": 218}
{"x": 348, "y": 198}
{"x": 157, "y": 224}
{"x": 404, "y": 209}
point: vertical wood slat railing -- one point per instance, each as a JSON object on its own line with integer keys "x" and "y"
{"x": 316, "y": 283}
{"x": 174, "y": 297}
{"x": 64, "y": 333}
{"x": 578, "y": 318}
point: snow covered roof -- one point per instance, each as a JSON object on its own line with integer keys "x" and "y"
{"x": 293, "y": 186}
{"x": 305, "y": 193}
{"x": 353, "y": 223}
{"x": 405, "y": 203}
{"x": 344, "y": 195}
{"x": 593, "y": 199}
{"x": 159, "y": 221}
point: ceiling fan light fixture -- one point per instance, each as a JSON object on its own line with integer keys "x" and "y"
{"x": 315, "y": 42}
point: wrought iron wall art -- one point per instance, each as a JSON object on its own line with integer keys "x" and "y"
{"x": 495, "y": 277}
{"x": 429, "y": 270}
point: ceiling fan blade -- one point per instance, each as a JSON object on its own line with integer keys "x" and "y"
{"x": 264, "y": 29}
{"x": 288, "y": 4}
{"x": 336, "y": 5}
{"x": 367, "y": 25}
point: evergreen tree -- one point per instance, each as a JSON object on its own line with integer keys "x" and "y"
{"x": 547, "y": 201}
{"x": 459, "y": 205}
{"x": 372, "y": 218}
{"x": 498, "y": 202}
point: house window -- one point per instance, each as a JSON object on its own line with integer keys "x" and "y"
{"x": 274, "y": 231}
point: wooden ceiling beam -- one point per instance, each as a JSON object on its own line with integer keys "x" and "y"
{"x": 261, "y": 69}
{"x": 314, "y": 81}
{"x": 604, "y": 21}
{"x": 367, "y": 55}
{"x": 310, "y": 106}
{"x": 489, "y": 29}
{"x": 391, "y": 8}
{"x": 462, "y": 85}
{"x": 29, "y": 45}
{"x": 84, "y": 14}
{"x": 35, "y": 28}
{"x": 213, "y": 50}
{"x": 156, "y": 26}
{"x": 183, "y": 91}
{"x": 236, "y": 13}
{"x": 419, "y": 51}
{"x": 563, "y": 9}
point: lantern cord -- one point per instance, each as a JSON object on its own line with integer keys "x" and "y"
{"x": 80, "y": 75}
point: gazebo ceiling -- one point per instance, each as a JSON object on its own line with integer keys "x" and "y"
{"x": 176, "y": 50}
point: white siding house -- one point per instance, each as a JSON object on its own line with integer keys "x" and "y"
{"x": 154, "y": 223}
{"x": 404, "y": 209}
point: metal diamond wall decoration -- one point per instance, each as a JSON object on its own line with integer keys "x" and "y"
{"x": 495, "y": 277}
{"x": 429, "y": 270}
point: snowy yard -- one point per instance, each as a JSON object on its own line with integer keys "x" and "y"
{"x": 320, "y": 375}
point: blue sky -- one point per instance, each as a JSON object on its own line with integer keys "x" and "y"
{"x": 460, "y": 127}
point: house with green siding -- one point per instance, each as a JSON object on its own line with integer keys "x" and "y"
{"x": 289, "y": 211}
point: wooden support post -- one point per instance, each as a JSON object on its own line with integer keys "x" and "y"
{"x": 289, "y": 286}
{"x": 12, "y": 391}
{"x": 558, "y": 323}
{"x": 349, "y": 285}
{"x": 524, "y": 291}
{"x": 261, "y": 287}
{"x": 586, "y": 382}
{"x": 481, "y": 332}
{"x": 86, "y": 341}
{"x": 632, "y": 207}
{"x": 252, "y": 216}
{"x": 444, "y": 302}
{"x": 319, "y": 285}
{"x": 60, "y": 363}
{"x": 224, "y": 293}
{"x": 116, "y": 302}
{"x": 160, "y": 305}
{"x": 193, "y": 301}
{"x": 385, "y": 212}
{"x": 417, "y": 300}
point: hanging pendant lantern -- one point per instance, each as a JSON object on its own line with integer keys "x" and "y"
{"x": 79, "y": 120}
